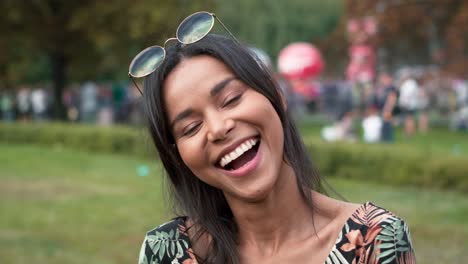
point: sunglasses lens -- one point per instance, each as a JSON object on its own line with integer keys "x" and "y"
{"x": 195, "y": 27}
{"x": 147, "y": 61}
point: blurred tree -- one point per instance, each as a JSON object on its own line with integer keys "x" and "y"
{"x": 418, "y": 31}
{"x": 271, "y": 25}
{"x": 61, "y": 40}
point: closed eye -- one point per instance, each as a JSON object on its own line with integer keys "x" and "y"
{"x": 191, "y": 129}
{"x": 232, "y": 100}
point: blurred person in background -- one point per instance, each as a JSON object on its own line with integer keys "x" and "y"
{"x": 135, "y": 105}
{"x": 118, "y": 102}
{"x": 23, "y": 103}
{"x": 338, "y": 101}
{"x": 422, "y": 106}
{"x": 308, "y": 90}
{"x": 71, "y": 99}
{"x": 461, "y": 90}
{"x": 39, "y": 104}
{"x": 7, "y": 106}
{"x": 408, "y": 102}
{"x": 329, "y": 92}
{"x": 459, "y": 120}
{"x": 444, "y": 97}
{"x": 240, "y": 175}
{"x": 105, "y": 107}
{"x": 372, "y": 125}
{"x": 88, "y": 102}
{"x": 385, "y": 99}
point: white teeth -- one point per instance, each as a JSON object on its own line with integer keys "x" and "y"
{"x": 241, "y": 149}
{"x": 244, "y": 147}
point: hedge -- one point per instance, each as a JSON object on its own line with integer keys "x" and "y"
{"x": 395, "y": 165}
{"x": 115, "y": 139}
{"x": 391, "y": 165}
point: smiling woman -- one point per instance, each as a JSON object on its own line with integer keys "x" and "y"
{"x": 242, "y": 183}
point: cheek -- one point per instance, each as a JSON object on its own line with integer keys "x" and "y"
{"x": 278, "y": 135}
{"x": 274, "y": 129}
{"x": 192, "y": 155}
{"x": 196, "y": 160}
{"x": 273, "y": 126}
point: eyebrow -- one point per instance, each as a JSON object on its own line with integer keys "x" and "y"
{"x": 213, "y": 92}
{"x": 184, "y": 114}
{"x": 221, "y": 85}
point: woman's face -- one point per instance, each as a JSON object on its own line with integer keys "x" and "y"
{"x": 228, "y": 134}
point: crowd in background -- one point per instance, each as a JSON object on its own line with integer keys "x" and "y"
{"x": 90, "y": 102}
{"x": 407, "y": 97}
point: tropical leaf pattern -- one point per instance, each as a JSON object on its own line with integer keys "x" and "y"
{"x": 372, "y": 235}
{"x": 168, "y": 243}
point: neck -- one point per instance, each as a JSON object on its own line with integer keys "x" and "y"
{"x": 282, "y": 216}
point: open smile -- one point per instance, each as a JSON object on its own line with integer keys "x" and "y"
{"x": 242, "y": 159}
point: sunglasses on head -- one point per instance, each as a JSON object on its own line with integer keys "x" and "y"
{"x": 192, "y": 29}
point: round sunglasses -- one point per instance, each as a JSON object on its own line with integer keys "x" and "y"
{"x": 192, "y": 29}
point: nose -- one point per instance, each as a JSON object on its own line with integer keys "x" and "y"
{"x": 219, "y": 127}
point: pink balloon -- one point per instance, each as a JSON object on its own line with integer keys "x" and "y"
{"x": 300, "y": 60}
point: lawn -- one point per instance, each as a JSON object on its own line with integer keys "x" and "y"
{"x": 436, "y": 140}
{"x": 64, "y": 206}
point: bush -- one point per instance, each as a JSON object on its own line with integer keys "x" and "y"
{"x": 389, "y": 164}
{"x": 116, "y": 139}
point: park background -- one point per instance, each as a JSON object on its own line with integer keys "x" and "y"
{"x": 86, "y": 192}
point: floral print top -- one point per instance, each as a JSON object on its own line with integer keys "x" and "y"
{"x": 372, "y": 235}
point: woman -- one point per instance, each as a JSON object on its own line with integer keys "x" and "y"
{"x": 240, "y": 175}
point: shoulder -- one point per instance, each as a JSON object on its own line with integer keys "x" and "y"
{"x": 378, "y": 236}
{"x": 168, "y": 243}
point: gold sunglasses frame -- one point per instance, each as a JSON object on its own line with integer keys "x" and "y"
{"x": 163, "y": 48}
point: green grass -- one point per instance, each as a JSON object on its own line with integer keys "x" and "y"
{"x": 436, "y": 140}
{"x": 64, "y": 206}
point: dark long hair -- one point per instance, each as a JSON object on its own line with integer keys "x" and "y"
{"x": 192, "y": 197}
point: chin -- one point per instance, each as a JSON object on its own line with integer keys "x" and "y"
{"x": 252, "y": 195}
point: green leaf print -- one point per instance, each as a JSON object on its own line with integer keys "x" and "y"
{"x": 172, "y": 246}
{"x": 408, "y": 235}
{"x": 386, "y": 245}
{"x": 403, "y": 249}
{"x": 392, "y": 238}
{"x": 402, "y": 243}
{"x": 162, "y": 249}
{"x": 155, "y": 261}
{"x": 157, "y": 246}
{"x": 152, "y": 237}
{"x": 389, "y": 260}
{"x": 180, "y": 251}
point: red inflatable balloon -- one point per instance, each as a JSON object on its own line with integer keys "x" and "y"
{"x": 300, "y": 60}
